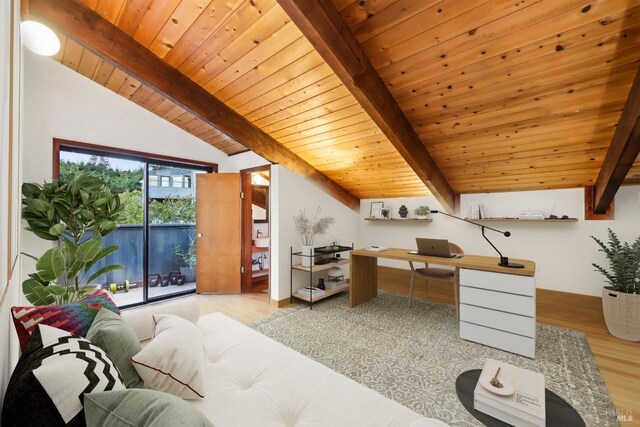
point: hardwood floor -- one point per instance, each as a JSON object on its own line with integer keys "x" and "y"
{"x": 244, "y": 308}
{"x": 618, "y": 360}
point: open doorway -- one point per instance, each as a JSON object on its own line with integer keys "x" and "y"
{"x": 256, "y": 236}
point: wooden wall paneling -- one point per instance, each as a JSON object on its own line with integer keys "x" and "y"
{"x": 235, "y": 94}
{"x": 567, "y": 31}
{"x": 293, "y": 60}
{"x": 102, "y": 72}
{"x": 323, "y": 26}
{"x": 356, "y": 12}
{"x": 623, "y": 151}
{"x": 266, "y": 36}
{"x": 321, "y": 80}
{"x": 154, "y": 18}
{"x": 110, "y": 9}
{"x": 182, "y": 18}
{"x": 88, "y": 63}
{"x": 131, "y": 15}
{"x": 203, "y": 27}
{"x": 118, "y": 48}
{"x": 330, "y": 100}
{"x": 240, "y": 19}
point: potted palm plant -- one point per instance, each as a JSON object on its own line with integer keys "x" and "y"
{"x": 188, "y": 258}
{"x": 621, "y": 298}
{"x": 75, "y": 211}
{"x": 308, "y": 228}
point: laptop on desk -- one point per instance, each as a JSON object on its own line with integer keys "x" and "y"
{"x": 434, "y": 247}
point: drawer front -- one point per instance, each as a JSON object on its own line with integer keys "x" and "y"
{"x": 498, "y": 339}
{"x": 521, "y": 285}
{"x": 517, "y": 304}
{"x": 498, "y": 320}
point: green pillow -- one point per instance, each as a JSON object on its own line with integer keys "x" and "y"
{"x": 115, "y": 336}
{"x": 141, "y": 408}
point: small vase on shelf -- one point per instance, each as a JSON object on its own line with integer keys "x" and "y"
{"x": 307, "y": 258}
{"x": 403, "y": 211}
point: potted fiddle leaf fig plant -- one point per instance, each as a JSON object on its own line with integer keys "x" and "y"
{"x": 75, "y": 211}
{"x": 621, "y": 297}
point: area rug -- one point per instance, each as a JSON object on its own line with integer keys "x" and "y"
{"x": 414, "y": 354}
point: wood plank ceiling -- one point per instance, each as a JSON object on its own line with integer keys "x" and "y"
{"x": 505, "y": 94}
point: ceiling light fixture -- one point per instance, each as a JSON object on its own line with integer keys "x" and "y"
{"x": 39, "y": 38}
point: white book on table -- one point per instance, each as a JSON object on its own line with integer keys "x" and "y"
{"x": 525, "y": 407}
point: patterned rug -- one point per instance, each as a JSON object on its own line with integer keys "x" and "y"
{"x": 414, "y": 355}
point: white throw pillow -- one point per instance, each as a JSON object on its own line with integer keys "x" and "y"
{"x": 173, "y": 361}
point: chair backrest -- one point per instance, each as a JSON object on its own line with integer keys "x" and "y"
{"x": 455, "y": 249}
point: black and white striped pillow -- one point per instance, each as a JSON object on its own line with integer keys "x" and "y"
{"x": 72, "y": 366}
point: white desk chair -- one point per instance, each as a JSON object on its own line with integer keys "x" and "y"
{"x": 445, "y": 274}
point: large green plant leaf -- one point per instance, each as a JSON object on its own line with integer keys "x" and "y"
{"x": 36, "y": 293}
{"x": 104, "y": 270}
{"x": 51, "y": 265}
{"x": 88, "y": 250}
{"x": 104, "y": 252}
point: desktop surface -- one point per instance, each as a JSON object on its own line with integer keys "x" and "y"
{"x": 473, "y": 262}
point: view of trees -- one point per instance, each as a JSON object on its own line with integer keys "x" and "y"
{"x": 128, "y": 185}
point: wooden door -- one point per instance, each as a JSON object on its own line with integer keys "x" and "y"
{"x": 218, "y": 248}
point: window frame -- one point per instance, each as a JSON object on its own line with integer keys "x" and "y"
{"x": 146, "y": 158}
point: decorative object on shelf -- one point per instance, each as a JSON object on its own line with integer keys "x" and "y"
{"x": 476, "y": 210}
{"x": 335, "y": 275}
{"x": 531, "y": 214}
{"x": 375, "y": 211}
{"x": 386, "y": 213}
{"x": 403, "y": 211}
{"x": 321, "y": 283}
{"x": 621, "y": 298}
{"x": 504, "y": 261}
{"x": 75, "y": 211}
{"x": 422, "y": 212}
{"x": 308, "y": 228}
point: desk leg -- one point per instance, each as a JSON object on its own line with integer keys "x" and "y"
{"x": 364, "y": 279}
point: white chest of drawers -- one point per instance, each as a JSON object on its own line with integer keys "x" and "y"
{"x": 498, "y": 310}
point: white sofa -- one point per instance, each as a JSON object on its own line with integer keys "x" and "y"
{"x": 252, "y": 380}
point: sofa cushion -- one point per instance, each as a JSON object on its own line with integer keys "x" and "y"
{"x": 254, "y": 380}
{"x": 173, "y": 361}
{"x": 112, "y": 334}
{"x": 52, "y": 375}
{"x": 140, "y": 408}
{"x": 75, "y": 318}
{"x": 141, "y": 318}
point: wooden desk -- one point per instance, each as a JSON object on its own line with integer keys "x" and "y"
{"x": 497, "y": 304}
{"x": 364, "y": 271}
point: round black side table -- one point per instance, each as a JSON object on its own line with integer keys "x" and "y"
{"x": 558, "y": 412}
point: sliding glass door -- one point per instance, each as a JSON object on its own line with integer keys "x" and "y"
{"x": 156, "y": 235}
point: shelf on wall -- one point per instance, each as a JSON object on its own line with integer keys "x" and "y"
{"x": 327, "y": 293}
{"x": 400, "y": 219}
{"x": 320, "y": 267}
{"x": 524, "y": 219}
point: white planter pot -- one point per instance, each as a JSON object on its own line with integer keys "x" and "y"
{"x": 307, "y": 261}
{"x": 621, "y": 314}
{"x": 422, "y": 216}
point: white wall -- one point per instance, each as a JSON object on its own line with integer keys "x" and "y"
{"x": 563, "y": 252}
{"x": 9, "y": 283}
{"x": 289, "y": 194}
{"x": 60, "y": 103}
{"x": 245, "y": 160}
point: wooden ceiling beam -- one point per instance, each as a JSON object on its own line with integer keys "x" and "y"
{"x": 623, "y": 151}
{"x": 98, "y": 35}
{"x": 323, "y": 26}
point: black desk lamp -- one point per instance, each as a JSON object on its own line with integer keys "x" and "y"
{"x": 504, "y": 261}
